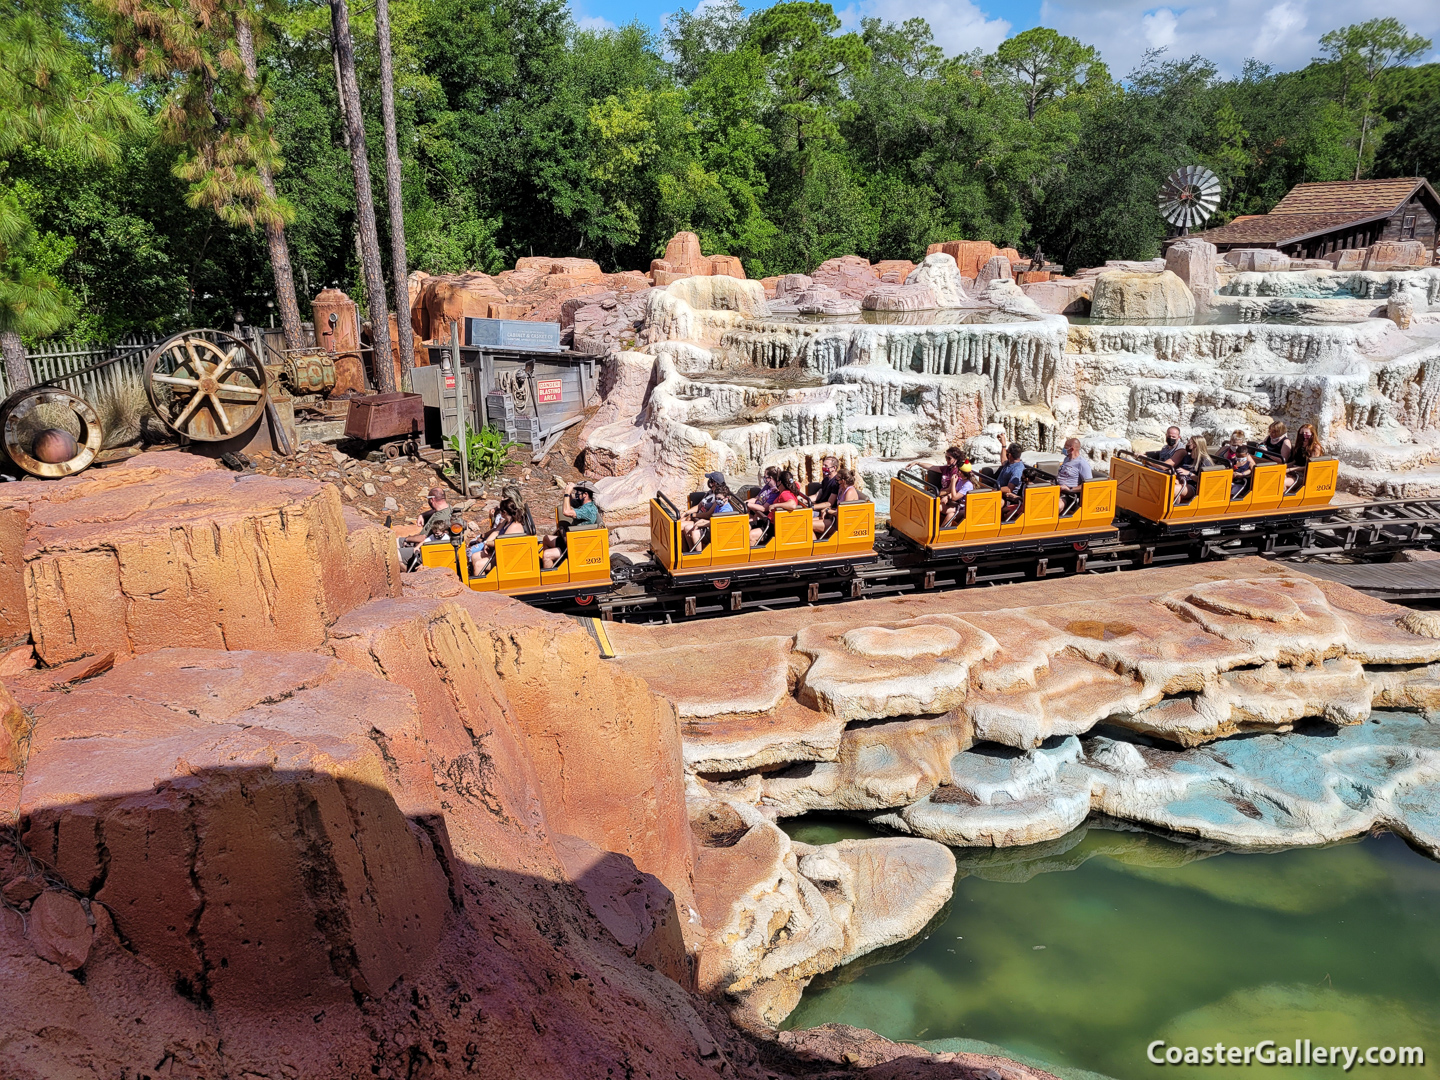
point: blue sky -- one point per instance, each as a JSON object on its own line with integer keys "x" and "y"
{"x": 1283, "y": 33}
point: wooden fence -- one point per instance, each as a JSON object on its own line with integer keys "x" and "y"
{"x": 58, "y": 359}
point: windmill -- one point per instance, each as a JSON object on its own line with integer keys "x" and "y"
{"x": 1188, "y": 196}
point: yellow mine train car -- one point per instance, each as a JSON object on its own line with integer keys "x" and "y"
{"x": 517, "y": 571}
{"x": 1148, "y": 491}
{"x": 1041, "y": 520}
{"x": 790, "y": 543}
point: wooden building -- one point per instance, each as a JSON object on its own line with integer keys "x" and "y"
{"x": 1316, "y": 219}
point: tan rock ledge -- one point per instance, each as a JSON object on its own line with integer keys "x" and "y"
{"x": 967, "y": 723}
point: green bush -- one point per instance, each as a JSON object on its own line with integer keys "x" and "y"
{"x": 487, "y": 450}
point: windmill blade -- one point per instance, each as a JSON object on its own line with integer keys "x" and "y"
{"x": 1189, "y": 196}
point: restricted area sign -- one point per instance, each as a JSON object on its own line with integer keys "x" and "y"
{"x": 547, "y": 390}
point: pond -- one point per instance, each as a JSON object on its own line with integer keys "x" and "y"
{"x": 1078, "y": 953}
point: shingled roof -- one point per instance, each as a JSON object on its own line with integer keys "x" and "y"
{"x": 1312, "y": 209}
{"x": 1277, "y": 228}
{"x": 1360, "y": 199}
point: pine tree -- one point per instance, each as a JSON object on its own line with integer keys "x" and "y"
{"x": 344, "y": 48}
{"x": 216, "y": 109}
{"x": 398, "y": 261}
{"x": 49, "y": 96}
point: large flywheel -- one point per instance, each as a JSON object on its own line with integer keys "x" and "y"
{"x": 49, "y": 452}
{"x": 205, "y": 386}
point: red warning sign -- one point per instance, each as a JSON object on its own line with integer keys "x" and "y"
{"x": 547, "y": 390}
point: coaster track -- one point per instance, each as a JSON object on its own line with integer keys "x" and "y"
{"x": 1357, "y": 532}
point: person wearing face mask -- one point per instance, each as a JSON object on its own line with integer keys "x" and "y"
{"x": 1010, "y": 479}
{"x": 827, "y": 494}
{"x": 1166, "y": 452}
{"x": 695, "y": 522}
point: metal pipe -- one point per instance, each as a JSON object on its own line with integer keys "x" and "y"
{"x": 462, "y": 428}
{"x": 483, "y": 392}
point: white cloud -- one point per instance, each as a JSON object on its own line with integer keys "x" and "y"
{"x": 596, "y": 23}
{"x": 1283, "y": 33}
{"x": 958, "y": 25}
{"x": 1159, "y": 28}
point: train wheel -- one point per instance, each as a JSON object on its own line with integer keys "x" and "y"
{"x": 392, "y": 451}
{"x": 585, "y": 600}
{"x": 1081, "y": 545}
{"x": 720, "y": 584}
{"x": 846, "y": 571}
{"x": 967, "y": 559}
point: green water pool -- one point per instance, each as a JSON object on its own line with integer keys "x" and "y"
{"x": 1078, "y": 953}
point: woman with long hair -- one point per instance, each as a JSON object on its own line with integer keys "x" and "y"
{"x": 1307, "y": 449}
{"x": 508, "y": 520}
{"x": 1187, "y": 476}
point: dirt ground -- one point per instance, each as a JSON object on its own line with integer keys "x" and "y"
{"x": 396, "y": 489}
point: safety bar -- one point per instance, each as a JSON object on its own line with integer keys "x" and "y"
{"x": 1149, "y": 463}
{"x": 666, "y": 505}
{"x": 917, "y": 481}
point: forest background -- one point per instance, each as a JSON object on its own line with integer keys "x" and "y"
{"x": 773, "y": 135}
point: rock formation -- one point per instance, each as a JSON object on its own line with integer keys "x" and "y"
{"x": 997, "y": 268}
{"x": 899, "y": 298}
{"x": 1061, "y": 296}
{"x": 1142, "y": 297}
{"x": 536, "y": 289}
{"x": 603, "y": 324}
{"x": 299, "y": 820}
{"x": 825, "y": 300}
{"x": 1396, "y": 255}
{"x": 969, "y": 255}
{"x": 1257, "y": 259}
{"x": 1193, "y": 261}
{"x": 683, "y": 259}
{"x": 940, "y": 274}
{"x": 943, "y": 717}
{"x": 851, "y": 276}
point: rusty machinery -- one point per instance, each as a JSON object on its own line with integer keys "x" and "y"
{"x": 206, "y": 386}
{"x": 18, "y": 431}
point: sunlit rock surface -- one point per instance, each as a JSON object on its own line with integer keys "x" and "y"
{"x": 395, "y": 828}
{"x": 1142, "y": 695}
{"x": 1353, "y": 352}
{"x": 777, "y": 912}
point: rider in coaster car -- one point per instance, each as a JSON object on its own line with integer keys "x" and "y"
{"x": 1010, "y": 479}
{"x": 1074, "y": 471}
{"x": 695, "y": 522}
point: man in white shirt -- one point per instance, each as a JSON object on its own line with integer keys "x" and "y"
{"x": 1073, "y": 472}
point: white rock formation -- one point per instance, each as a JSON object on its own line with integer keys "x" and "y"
{"x": 940, "y": 274}
{"x": 944, "y": 717}
{"x": 792, "y": 911}
{"x": 888, "y": 393}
